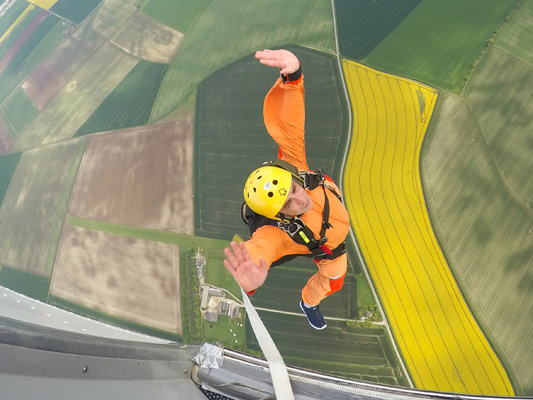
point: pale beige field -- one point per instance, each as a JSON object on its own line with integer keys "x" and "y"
{"x": 34, "y": 206}
{"x": 139, "y": 177}
{"x": 133, "y": 279}
{"x": 148, "y": 39}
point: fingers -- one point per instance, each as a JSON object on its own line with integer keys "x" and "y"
{"x": 272, "y": 58}
{"x": 236, "y": 256}
{"x": 282, "y": 59}
{"x": 265, "y": 53}
{"x": 230, "y": 262}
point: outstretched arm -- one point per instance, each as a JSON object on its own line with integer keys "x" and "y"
{"x": 284, "y": 107}
{"x": 245, "y": 271}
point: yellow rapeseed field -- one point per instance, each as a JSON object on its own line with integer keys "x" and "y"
{"x": 46, "y": 4}
{"x": 442, "y": 345}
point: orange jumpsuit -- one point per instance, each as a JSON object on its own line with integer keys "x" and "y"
{"x": 284, "y": 115}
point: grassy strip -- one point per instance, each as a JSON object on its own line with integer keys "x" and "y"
{"x": 147, "y": 234}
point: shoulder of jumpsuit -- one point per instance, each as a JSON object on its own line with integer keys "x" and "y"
{"x": 272, "y": 243}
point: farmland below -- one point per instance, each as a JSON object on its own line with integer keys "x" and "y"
{"x": 127, "y": 128}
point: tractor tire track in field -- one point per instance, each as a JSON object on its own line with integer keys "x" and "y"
{"x": 441, "y": 343}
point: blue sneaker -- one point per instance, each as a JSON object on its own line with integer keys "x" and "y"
{"x": 314, "y": 316}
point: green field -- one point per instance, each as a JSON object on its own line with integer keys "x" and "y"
{"x": 499, "y": 98}
{"x": 130, "y": 103}
{"x": 34, "y": 207}
{"x": 364, "y": 24}
{"x": 17, "y": 112}
{"x": 8, "y": 164}
{"x": 30, "y": 285}
{"x": 47, "y": 42}
{"x": 247, "y": 27}
{"x": 74, "y": 10}
{"x": 517, "y": 35}
{"x": 287, "y": 296}
{"x": 180, "y": 15}
{"x": 440, "y": 40}
{"x": 355, "y": 353}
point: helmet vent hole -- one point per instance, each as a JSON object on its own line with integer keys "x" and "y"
{"x": 270, "y": 194}
{"x": 255, "y": 190}
{"x": 275, "y": 182}
{"x": 259, "y": 177}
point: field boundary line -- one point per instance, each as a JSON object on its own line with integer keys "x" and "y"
{"x": 385, "y": 322}
{"x": 298, "y": 314}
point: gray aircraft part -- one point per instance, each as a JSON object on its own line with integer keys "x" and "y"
{"x": 42, "y": 357}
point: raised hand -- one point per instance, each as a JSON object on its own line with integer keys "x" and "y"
{"x": 245, "y": 271}
{"x": 282, "y": 59}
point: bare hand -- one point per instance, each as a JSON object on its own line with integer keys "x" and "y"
{"x": 245, "y": 271}
{"x": 282, "y": 59}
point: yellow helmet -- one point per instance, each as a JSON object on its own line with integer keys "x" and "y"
{"x": 266, "y": 190}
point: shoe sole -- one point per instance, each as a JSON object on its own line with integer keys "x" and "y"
{"x": 312, "y": 326}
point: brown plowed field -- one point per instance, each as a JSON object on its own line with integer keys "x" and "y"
{"x": 133, "y": 279}
{"x": 139, "y": 177}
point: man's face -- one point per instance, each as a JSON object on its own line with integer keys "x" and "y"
{"x": 298, "y": 201}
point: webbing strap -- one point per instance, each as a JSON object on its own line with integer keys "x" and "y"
{"x": 325, "y": 218}
{"x": 278, "y": 369}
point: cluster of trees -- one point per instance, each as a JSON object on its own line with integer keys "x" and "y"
{"x": 366, "y": 316}
{"x": 190, "y": 297}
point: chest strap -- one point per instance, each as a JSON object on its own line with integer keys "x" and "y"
{"x": 301, "y": 234}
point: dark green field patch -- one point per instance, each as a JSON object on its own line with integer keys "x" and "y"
{"x": 18, "y": 112}
{"x": 8, "y": 164}
{"x": 28, "y": 284}
{"x": 356, "y": 353}
{"x": 363, "y": 24}
{"x": 74, "y": 10}
{"x": 130, "y": 103}
{"x": 439, "y": 41}
{"x": 287, "y": 283}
